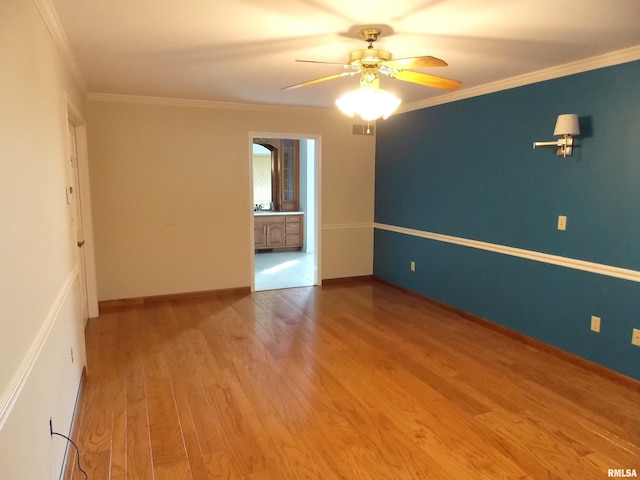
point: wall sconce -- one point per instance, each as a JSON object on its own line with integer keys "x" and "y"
{"x": 567, "y": 126}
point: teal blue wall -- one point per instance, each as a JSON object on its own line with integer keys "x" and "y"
{"x": 467, "y": 169}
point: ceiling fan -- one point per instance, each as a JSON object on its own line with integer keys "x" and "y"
{"x": 371, "y": 62}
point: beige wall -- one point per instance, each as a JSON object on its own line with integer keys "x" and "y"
{"x": 39, "y": 319}
{"x": 171, "y": 191}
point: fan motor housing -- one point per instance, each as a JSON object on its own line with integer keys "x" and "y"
{"x": 369, "y": 56}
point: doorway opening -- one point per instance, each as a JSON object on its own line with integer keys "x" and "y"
{"x": 285, "y": 197}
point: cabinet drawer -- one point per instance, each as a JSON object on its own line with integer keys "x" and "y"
{"x": 264, "y": 219}
{"x": 293, "y": 218}
{"x": 293, "y": 241}
{"x": 292, "y": 228}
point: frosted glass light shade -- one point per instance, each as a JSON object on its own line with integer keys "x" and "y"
{"x": 369, "y": 103}
{"x": 567, "y": 124}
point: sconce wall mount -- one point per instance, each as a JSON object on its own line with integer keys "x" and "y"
{"x": 567, "y": 126}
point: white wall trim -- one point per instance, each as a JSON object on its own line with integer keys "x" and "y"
{"x": 347, "y": 226}
{"x": 185, "y": 102}
{"x": 597, "y": 268}
{"x": 317, "y": 174}
{"x": 51, "y": 20}
{"x": 11, "y": 394}
{"x": 607, "y": 60}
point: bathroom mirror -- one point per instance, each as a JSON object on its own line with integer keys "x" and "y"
{"x": 275, "y": 174}
{"x": 262, "y": 177}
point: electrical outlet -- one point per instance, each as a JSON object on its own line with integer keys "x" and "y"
{"x": 635, "y": 338}
{"x": 562, "y": 222}
{"x": 412, "y": 266}
{"x": 72, "y": 355}
{"x": 595, "y": 324}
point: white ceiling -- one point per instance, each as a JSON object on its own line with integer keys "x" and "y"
{"x": 245, "y": 50}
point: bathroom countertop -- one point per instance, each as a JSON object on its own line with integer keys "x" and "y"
{"x": 263, "y": 213}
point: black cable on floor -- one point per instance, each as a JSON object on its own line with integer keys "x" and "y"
{"x": 86, "y": 476}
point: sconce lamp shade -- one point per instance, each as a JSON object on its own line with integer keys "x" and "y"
{"x": 567, "y": 124}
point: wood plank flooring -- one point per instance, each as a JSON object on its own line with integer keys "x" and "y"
{"x": 358, "y": 381}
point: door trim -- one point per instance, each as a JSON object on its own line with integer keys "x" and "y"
{"x": 75, "y": 117}
{"x": 317, "y": 169}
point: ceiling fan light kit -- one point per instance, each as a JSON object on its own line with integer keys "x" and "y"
{"x": 370, "y": 101}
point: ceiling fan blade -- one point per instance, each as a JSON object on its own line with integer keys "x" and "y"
{"x": 415, "y": 62}
{"x": 425, "y": 79}
{"x": 325, "y": 63}
{"x": 318, "y": 80}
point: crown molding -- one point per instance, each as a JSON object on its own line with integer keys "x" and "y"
{"x": 607, "y": 60}
{"x": 51, "y": 20}
{"x": 185, "y": 102}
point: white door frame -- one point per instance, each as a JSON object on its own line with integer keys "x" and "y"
{"x": 317, "y": 170}
{"x": 84, "y": 199}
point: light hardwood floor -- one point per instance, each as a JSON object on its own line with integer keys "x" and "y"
{"x": 357, "y": 381}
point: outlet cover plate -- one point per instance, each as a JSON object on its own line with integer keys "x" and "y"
{"x": 562, "y": 222}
